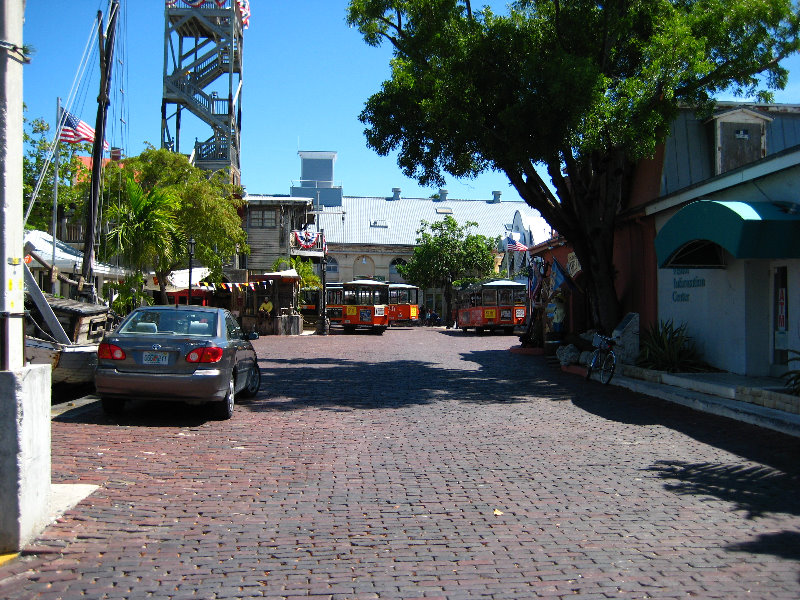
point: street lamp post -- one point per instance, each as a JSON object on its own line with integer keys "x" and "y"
{"x": 323, "y": 324}
{"x": 191, "y": 256}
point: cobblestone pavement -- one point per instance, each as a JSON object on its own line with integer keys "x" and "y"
{"x": 423, "y": 463}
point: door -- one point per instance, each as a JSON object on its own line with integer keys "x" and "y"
{"x": 780, "y": 311}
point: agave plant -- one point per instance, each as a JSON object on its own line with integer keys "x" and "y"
{"x": 792, "y": 377}
{"x": 665, "y": 347}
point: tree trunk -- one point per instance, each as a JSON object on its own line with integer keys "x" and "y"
{"x": 584, "y": 212}
{"x": 447, "y": 318}
{"x": 163, "y": 299}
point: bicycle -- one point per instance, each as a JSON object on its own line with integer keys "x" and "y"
{"x": 603, "y": 358}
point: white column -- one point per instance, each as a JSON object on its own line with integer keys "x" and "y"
{"x": 24, "y": 391}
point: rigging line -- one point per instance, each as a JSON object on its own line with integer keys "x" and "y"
{"x": 59, "y": 125}
{"x": 121, "y": 108}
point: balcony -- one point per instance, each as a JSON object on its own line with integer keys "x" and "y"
{"x": 306, "y": 243}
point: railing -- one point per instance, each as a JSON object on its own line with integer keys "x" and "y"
{"x": 215, "y": 150}
{"x": 316, "y": 245}
{"x": 315, "y": 183}
{"x": 73, "y": 233}
{"x": 205, "y": 103}
{"x": 242, "y": 12}
{"x": 205, "y": 5}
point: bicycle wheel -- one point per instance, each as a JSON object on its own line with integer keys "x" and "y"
{"x": 609, "y": 365}
{"x": 593, "y": 363}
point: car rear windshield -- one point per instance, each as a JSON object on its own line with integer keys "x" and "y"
{"x": 167, "y": 322}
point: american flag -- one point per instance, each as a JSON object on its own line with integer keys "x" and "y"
{"x": 244, "y": 7}
{"x": 515, "y": 246}
{"x": 75, "y": 131}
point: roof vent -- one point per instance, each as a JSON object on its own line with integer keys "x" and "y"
{"x": 495, "y": 197}
{"x": 395, "y": 193}
{"x": 442, "y": 194}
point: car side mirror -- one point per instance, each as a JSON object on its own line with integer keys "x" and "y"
{"x": 253, "y": 335}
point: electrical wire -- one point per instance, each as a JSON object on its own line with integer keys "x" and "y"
{"x": 79, "y": 75}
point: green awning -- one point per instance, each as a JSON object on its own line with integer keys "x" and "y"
{"x": 744, "y": 229}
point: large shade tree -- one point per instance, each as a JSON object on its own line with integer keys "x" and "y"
{"x": 445, "y": 253}
{"x": 580, "y": 89}
{"x": 144, "y": 231}
{"x": 72, "y": 187}
{"x": 204, "y": 206}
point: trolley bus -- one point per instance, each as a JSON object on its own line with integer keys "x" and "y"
{"x": 498, "y": 304}
{"x": 309, "y": 301}
{"x": 403, "y": 303}
{"x": 364, "y": 305}
{"x": 334, "y": 302}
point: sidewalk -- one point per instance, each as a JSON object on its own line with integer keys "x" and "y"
{"x": 755, "y": 400}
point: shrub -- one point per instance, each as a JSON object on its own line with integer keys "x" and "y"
{"x": 664, "y": 347}
{"x": 792, "y": 377}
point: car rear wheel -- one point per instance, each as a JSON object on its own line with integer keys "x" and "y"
{"x": 224, "y": 410}
{"x": 253, "y": 382}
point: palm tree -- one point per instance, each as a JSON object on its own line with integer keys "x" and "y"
{"x": 304, "y": 268}
{"x": 145, "y": 233}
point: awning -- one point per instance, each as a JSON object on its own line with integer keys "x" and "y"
{"x": 178, "y": 281}
{"x": 744, "y": 229}
{"x": 68, "y": 259}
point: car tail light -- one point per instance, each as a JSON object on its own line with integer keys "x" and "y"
{"x": 110, "y": 351}
{"x": 209, "y": 354}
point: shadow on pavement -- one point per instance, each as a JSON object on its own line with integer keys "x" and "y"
{"x": 329, "y": 382}
{"x": 784, "y": 544}
{"x": 141, "y": 413}
{"x": 756, "y": 489}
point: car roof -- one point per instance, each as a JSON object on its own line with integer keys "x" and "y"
{"x": 181, "y": 308}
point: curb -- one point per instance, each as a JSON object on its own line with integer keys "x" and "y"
{"x": 717, "y": 399}
{"x": 776, "y": 420}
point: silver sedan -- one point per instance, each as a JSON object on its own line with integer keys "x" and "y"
{"x": 193, "y": 354}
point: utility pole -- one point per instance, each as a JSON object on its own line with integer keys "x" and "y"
{"x": 323, "y": 323}
{"x": 24, "y": 390}
{"x": 12, "y": 290}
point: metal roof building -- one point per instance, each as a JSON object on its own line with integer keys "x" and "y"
{"x": 394, "y": 221}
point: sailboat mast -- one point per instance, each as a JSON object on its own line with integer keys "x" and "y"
{"x": 106, "y": 63}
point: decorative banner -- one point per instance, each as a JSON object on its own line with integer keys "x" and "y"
{"x": 244, "y": 7}
{"x": 306, "y": 239}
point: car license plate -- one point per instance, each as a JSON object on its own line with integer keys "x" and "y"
{"x": 155, "y": 358}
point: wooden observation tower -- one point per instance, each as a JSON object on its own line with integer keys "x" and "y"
{"x": 203, "y": 75}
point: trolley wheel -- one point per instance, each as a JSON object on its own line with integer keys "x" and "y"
{"x": 608, "y": 368}
{"x": 593, "y": 363}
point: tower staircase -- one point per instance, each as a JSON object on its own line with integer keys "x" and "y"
{"x": 203, "y": 75}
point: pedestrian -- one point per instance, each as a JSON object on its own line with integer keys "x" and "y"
{"x": 265, "y": 314}
{"x": 423, "y": 314}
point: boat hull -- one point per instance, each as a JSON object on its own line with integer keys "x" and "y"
{"x": 71, "y": 363}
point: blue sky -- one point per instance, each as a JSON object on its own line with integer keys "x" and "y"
{"x": 306, "y": 78}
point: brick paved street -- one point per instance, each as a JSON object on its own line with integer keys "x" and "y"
{"x": 419, "y": 464}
